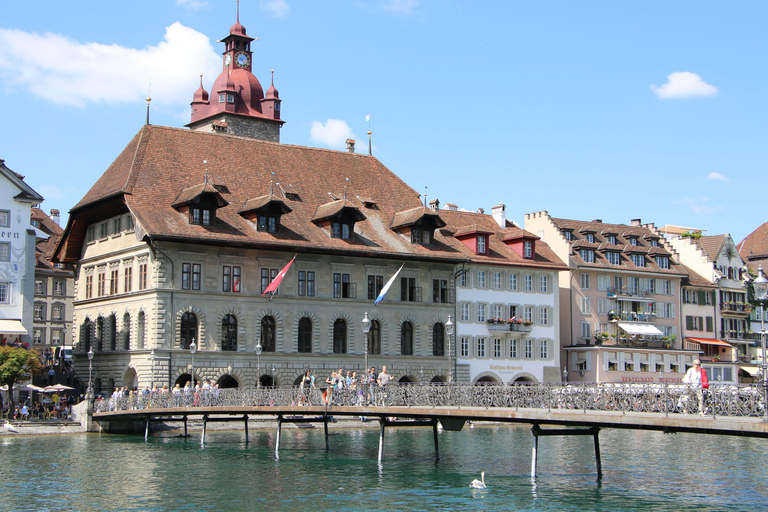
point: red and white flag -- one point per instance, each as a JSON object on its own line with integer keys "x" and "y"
{"x": 278, "y": 278}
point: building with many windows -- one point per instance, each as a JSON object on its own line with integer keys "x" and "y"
{"x": 620, "y": 301}
{"x": 17, "y": 256}
{"x": 507, "y": 298}
{"x": 54, "y": 287}
{"x": 177, "y": 241}
{"x": 717, "y": 315}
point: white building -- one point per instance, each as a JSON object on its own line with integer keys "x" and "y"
{"x": 507, "y": 320}
{"x": 17, "y": 256}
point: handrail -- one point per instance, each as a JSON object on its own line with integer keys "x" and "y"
{"x": 720, "y": 399}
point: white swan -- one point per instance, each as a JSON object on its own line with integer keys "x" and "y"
{"x": 478, "y": 484}
{"x": 10, "y": 427}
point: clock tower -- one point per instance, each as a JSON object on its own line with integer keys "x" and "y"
{"x": 237, "y": 105}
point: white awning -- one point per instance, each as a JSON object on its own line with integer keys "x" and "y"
{"x": 12, "y": 327}
{"x": 644, "y": 329}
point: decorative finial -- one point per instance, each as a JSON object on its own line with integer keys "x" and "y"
{"x": 238, "y": 11}
{"x": 149, "y": 97}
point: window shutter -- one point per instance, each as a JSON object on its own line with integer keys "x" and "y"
{"x": 701, "y": 323}
{"x": 689, "y": 322}
{"x": 702, "y": 299}
{"x": 710, "y": 326}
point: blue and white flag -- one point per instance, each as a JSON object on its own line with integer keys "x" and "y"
{"x": 387, "y": 286}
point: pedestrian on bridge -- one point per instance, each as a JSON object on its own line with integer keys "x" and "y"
{"x": 697, "y": 381}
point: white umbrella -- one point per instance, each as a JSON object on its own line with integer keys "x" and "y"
{"x": 56, "y": 387}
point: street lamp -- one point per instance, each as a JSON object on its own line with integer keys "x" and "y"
{"x": 258, "y": 363}
{"x": 274, "y": 384}
{"x": 89, "y": 392}
{"x": 449, "y": 325}
{"x": 192, "y": 350}
{"x": 366, "y": 323}
{"x": 760, "y": 287}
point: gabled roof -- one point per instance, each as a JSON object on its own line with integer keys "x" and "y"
{"x": 188, "y": 195}
{"x": 755, "y": 245}
{"x": 26, "y": 193}
{"x": 159, "y": 162}
{"x": 416, "y": 215}
{"x": 711, "y": 245}
{"x": 335, "y": 208}
{"x": 263, "y": 203}
{"x": 514, "y": 233}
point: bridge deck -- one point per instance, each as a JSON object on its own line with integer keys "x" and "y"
{"x": 693, "y": 423}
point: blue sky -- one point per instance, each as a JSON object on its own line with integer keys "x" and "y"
{"x": 610, "y": 110}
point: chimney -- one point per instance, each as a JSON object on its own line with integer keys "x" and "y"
{"x": 500, "y": 215}
{"x": 434, "y": 204}
{"x": 480, "y": 210}
{"x": 350, "y": 145}
{"x": 598, "y": 221}
{"x": 635, "y": 222}
{"x": 55, "y": 216}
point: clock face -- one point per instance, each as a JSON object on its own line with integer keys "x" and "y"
{"x": 228, "y": 59}
{"x": 242, "y": 59}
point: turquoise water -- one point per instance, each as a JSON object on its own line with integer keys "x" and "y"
{"x": 642, "y": 471}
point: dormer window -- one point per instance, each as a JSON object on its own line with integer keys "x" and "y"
{"x": 201, "y": 216}
{"x": 267, "y": 223}
{"x": 613, "y": 257}
{"x": 528, "y": 249}
{"x": 222, "y": 98}
{"x": 568, "y": 235}
{"x": 420, "y": 221}
{"x": 230, "y": 97}
{"x": 633, "y": 241}
{"x": 342, "y": 230}
{"x": 421, "y": 236}
{"x": 482, "y": 244}
{"x": 200, "y": 203}
{"x": 591, "y": 238}
{"x": 612, "y": 239}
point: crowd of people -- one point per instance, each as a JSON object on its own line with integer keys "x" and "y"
{"x": 200, "y": 394}
{"x": 346, "y": 387}
{"x": 55, "y": 406}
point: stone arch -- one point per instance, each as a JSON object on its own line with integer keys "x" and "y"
{"x": 241, "y": 334}
{"x": 523, "y": 377}
{"x": 488, "y": 378}
{"x": 416, "y": 334}
{"x": 351, "y": 346}
{"x": 227, "y": 381}
{"x": 430, "y": 336}
{"x": 315, "y": 330}
{"x": 279, "y": 328}
{"x": 384, "y": 323}
{"x": 230, "y": 371}
{"x": 438, "y": 379}
{"x": 406, "y": 379}
{"x": 200, "y": 325}
{"x": 130, "y": 378}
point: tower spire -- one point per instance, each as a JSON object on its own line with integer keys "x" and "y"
{"x": 149, "y": 96}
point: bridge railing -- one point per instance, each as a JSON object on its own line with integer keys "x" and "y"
{"x": 720, "y": 400}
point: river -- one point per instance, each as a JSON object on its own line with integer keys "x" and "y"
{"x": 642, "y": 471}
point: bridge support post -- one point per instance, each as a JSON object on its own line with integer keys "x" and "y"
{"x": 245, "y": 420}
{"x": 279, "y": 431}
{"x": 382, "y": 421}
{"x": 591, "y": 431}
{"x": 205, "y": 423}
{"x": 325, "y": 427}
{"x": 434, "y": 434}
{"x": 146, "y": 430}
{"x": 185, "y": 428}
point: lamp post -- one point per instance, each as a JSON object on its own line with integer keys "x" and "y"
{"x": 760, "y": 287}
{"x": 449, "y": 325}
{"x": 89, "y": 392}
{"x": 192, "y": 350}
{"x": 366, "y": 323}
{"x": 258, "y": 363}
{"x": 274, "y": 384}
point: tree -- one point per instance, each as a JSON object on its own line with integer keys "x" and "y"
{"x": 17, "y": 364}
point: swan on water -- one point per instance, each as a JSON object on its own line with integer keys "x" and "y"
{"x": 478, "y": 484}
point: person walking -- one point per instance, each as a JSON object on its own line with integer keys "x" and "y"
{"x": 697, "y": 381}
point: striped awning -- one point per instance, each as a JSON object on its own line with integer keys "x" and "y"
{"x": 709, "y": 341}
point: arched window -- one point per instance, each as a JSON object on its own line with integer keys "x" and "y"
{"x": 339, "y": 336}
{"x": 438, "y": 340}
{"x": 374, "y": 338}
{"x": 112, "y": 325}
{"x": 268, "y": 334}
{"x": 188, "y": 331}
{"x": 85, "y": 335}
{"x": 305, "y": 335}
{"x": 406, "y": 339}
{"x": 140, "y": 328}
{"x": 100, "y": 334}
{"x": 127, "y": 331}
{"x": 229, "y": 333}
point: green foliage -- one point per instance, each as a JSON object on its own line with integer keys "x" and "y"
{"x": 18, "y": 364}
{"x": 692, "y": 235}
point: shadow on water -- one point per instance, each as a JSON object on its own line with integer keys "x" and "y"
{"x": 642, "y": 471}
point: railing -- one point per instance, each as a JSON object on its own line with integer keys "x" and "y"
{"x": 733, "y": 334}
{"x": 510, "y": 327}
{"x": 735, "y": 308}
{"x": 634, "y": 317}
{"x": 627, "y": 292}
{"x": 720, "y": 399}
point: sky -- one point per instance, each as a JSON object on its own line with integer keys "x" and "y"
{"x": 651, "y": 110}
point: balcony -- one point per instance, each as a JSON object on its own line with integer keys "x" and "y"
{"x": 630, "y": 294}
{"x": 504, "y": 326}
{"x": 631, "y": 316}
{"x": 739, "y": 336}
{"x": 735, "y": 308}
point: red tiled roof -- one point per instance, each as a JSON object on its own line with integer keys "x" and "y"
{"x": 755, "y": 245}
{"x": 414, "y": 215}
{"x": 711, "y": 245}
{"x": 159, "y": 162}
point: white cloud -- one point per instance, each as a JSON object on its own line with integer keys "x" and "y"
{"x": 65, "y": 71}
{"x": 702, "y": 205}
{"x": 279, "y": 8}
{"x": 684, "y": 84}
{"x": 401, "y": 6}
{"x": 717, "y": 176}
{"x": 334, "y": 133}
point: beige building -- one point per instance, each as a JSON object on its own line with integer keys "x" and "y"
{"x": 620, "y": 301}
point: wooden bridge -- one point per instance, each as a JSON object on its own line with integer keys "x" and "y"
{"x": 582, "y": 410}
